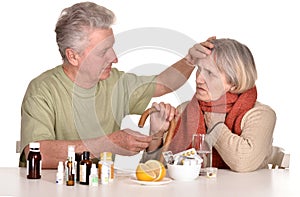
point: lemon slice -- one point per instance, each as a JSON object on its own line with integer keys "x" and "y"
{"x": 152, "y": 170}
{"x": 158, "y": 168}
{"x": 144, "y": 173}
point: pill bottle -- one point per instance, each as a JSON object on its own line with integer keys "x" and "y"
{"x": 106, "y": 158}
{"x": 85, "y": 168}
{"x": 105, "y": 174}
{"x": 34, "y": 161}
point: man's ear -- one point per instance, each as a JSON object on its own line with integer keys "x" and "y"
{"x": 72, "y": 56}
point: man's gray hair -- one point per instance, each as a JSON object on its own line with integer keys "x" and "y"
{"x": 74, "y": 23}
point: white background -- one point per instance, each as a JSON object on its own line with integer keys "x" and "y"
{"x": 268, "y": 27}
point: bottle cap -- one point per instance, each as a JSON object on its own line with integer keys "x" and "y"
{"x": 71, "y": 152}
{"x": 34, "y": 145}
{"x": 60, "y": 167}
{"x": 106, "y": 156}
{"x": 71, "y": 148}
{"x": 94, "y": 169}
{"x": 86, "y": 155}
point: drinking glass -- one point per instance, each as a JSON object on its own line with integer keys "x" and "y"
{"x": 204, "y": 150}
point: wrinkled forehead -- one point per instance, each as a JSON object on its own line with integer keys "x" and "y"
{"x": 207, "y": 63}
{"x": 108, "y": 42}
{"x": 101, "y": 38}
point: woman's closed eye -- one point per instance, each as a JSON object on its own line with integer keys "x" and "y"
{"x": 206, "y": 72}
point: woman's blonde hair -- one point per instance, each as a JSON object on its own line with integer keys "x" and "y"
{"x": 235, "y": 60}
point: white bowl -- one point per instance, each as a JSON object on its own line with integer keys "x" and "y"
{"x": 183, "y": 172}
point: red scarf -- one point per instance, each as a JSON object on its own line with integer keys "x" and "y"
{"x": 192, "y": 119}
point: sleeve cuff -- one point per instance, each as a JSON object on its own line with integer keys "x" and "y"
{"x": 151, "y": 155}
{"x": 214, "y": 135}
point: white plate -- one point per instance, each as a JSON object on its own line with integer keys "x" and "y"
{"x": 165, "y": 180}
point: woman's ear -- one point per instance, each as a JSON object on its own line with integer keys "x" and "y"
{"x": 72, "y": 57}
{"x": 232, "y": 89}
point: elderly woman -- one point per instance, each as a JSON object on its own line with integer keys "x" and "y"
{"x": 224, "y": 107}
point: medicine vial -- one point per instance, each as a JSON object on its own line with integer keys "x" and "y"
{"x": 71, "y": 166}
{"x": 93, "y": 179}
{"x": 60, "y": 173}
{"x": 85, "y": 168}
{"x": 78, "y": 157}
{"x": 34, "y": 161}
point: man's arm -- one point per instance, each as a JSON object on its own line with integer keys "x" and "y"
{"x": 176, "y": 75}
{"x": 123, "y": 142}
{"x": 173, "y": 77}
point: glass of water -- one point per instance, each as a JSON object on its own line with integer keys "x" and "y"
{"x": 204, "y": 150}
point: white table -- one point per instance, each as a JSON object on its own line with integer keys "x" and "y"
{"x": 282, "y": 183}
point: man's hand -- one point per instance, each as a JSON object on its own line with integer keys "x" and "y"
{"x": 129, "y": 142}
{"x": 200, "y": 50}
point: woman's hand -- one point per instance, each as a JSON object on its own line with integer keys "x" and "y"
{"x": 160, "y": 121}
{"x": 213, "y": 118}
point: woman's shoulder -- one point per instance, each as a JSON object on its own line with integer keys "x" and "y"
{"x": 261, "y": 108}
{"x": 258, "y": 105}
{"x": 260, "y": 114}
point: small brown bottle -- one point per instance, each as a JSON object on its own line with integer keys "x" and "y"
{"x": 70, "y": 166}
{"x": 85, "y": 168}
{"x": 77, "y": 159}
{"x": 70, "y": 172}
{"x": 34, "y": 161}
